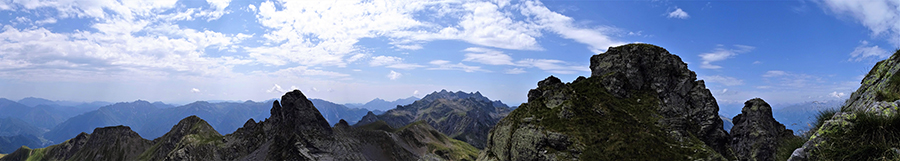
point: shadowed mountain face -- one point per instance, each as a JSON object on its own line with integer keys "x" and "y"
{"x": 334, "y": 112}
{"x": 295, "y": 131}
{"x": 382, "y": 105}
{"x": 463, "y": 116}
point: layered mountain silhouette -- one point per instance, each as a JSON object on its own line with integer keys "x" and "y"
{"x": 334, "y": 112}
{"x": 295, "y": 131}
{"x": 463, "y": 116}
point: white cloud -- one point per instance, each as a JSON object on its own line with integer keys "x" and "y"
{"x": 195, "y": 90}
{"x": 392, "y": 62}
{"x": 836, "y": 94}
{"x": 323, "y": 33}
{"x": 553, "y": 66}
{"x": 394, "y": 75}
{"x": 864, "y": 51}
{"x": 384, "y": 60}
{"x": 720, "y": 53}
{"x": 757, "y": 62}
{"x": 678, "y": 13}
{"x": 50, "y": 20}
{"x": 515, "y": 71}
{"x": 275, "y": 89}
{"x": 487, "y": 56}
{"x": 415, "y": 92}
{"x": 438, "y": 62}
{"x": 725, "y": 80}
{"x": 596, "y": 38}
{"x": 251, "y": 7}
{"x": 775, "y": 73}
{"x": 880, "y": 16}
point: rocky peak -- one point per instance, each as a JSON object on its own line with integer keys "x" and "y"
{"x": 115, "y": 132}
{"x": 756, "y": 134}
{"x": 296, "y": 114}
{"x": 191, "y": 125}
{"x": 687, "y": 107}
{"x": 444, "y": 94}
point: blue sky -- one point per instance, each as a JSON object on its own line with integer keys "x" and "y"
{"x": 353, "y": 51}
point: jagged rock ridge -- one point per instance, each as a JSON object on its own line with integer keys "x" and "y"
{"x": 295, "y": 131}
{"x": 460, "y": 115}
{"x": 640, "y": 102}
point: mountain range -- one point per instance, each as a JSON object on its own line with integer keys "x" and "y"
{"x": 379, "y": 105}
{"x": 460, "y": 115}
{"x": 296, "y": 130}
{"x": 639, "y": 103}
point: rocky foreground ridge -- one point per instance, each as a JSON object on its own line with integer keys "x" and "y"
{"x": 295, "y": 131}
{"x": 867, "y": 127}
{"x": 640, "y": 103}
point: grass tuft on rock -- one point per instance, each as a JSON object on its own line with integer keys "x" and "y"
{"x": 872, "y": 137}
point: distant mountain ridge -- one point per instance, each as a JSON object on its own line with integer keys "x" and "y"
{"x": 460, "y": 115}
{"x": 334, "y": 112}
{"x": 379, "y": 104}
{"x": 295, "y": 131}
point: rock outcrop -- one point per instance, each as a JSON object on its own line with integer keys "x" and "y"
{"x": 640, "y": 102}
{"x": 877, "y": 100}
{"x": 463, "y": 116}
{"x": 756, "y": 134}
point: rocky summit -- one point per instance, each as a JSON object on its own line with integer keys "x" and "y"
{"x": 755, "y": 134}
{"x": 640, "y": 103}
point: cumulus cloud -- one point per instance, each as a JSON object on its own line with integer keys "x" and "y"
{"x": 880, "y": 16}
{"x": 864, "y": 50}
{"x": 394, "y": 75}
{"x": 678, "y": 13}
{"x": 725, "y": 80}
{"x": 324, "y": 33}
{"x": 195, "y": 90}
{"x": 721, "y": 53}
{"x": 487, "y": 56}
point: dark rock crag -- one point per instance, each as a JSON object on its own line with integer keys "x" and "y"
{"x": 756, "y": 134}
{"x": 640, "y": 102}
{"x": 295, "y": 131}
